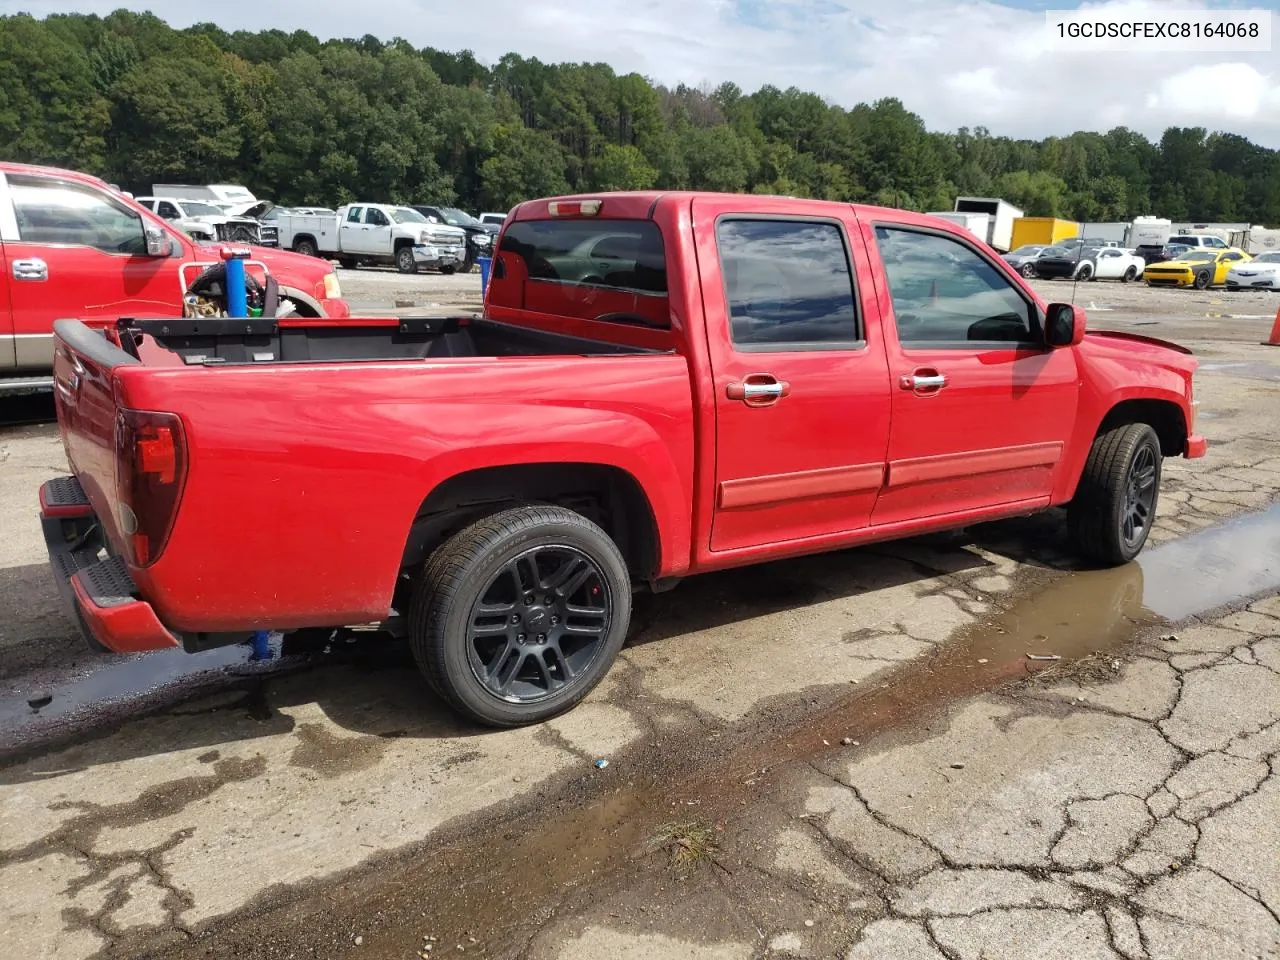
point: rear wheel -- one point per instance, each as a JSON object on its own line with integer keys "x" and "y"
{"x": 1114, "y": 508}
{"x": 405, "y": 261}
{"x": 1130, "y": 275}
{"x": 348, "y": 263}
{"x": 519, "y": 616}
{"x": 306, "y": 248}
{"x": 448, "y": 271}
{"x": 1028, "y": 270}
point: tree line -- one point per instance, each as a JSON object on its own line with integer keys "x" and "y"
{"x": 302, "y": 121}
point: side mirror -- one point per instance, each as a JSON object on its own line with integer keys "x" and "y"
{"x": 1064, "y": 325}
{"x": 157, "y": 240}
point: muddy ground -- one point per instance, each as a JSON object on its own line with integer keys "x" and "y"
{"x": 840, "y": 756}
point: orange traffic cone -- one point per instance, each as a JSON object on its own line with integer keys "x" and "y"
{"x": 1274, "y": 339}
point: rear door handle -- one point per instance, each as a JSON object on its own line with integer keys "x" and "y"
{"x": 30, "y": 269}
{"x": 758, "y": 389}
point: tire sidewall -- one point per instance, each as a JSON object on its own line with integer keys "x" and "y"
{"x": 1145, "y": 437}
{"x": 451, "y": 617}
{"x": 406, "y": 264}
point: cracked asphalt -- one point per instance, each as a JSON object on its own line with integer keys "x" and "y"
{"x": 843, "y": 756}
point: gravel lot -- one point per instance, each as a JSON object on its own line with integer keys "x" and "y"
{"x": 845, "y": 756}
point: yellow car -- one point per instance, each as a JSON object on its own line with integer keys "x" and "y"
{"x": 1198, "y": 268}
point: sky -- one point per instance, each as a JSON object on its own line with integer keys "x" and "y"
{"x": 954, "y": 62}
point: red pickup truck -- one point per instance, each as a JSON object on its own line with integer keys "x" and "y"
{"x": 661, "y": 384}
{"x": 73, "y": 247}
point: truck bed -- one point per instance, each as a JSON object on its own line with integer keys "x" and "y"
{"x": 302, "y": 451}
{"x": 223, "y": 341}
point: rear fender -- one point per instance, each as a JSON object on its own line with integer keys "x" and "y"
{"x": 644, "y": 457}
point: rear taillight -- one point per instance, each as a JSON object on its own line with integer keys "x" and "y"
{"x": 151, "y": 465}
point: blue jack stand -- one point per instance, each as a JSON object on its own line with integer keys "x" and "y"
{"x": 261, "y": 645}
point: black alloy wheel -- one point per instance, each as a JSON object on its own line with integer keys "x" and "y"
{"x": 539, "y": 624}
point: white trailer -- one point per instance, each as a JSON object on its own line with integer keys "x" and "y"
{"x": 979, "y": 224}
{"x": 1256, "y": 240}
{"x": 1000, "y": 227}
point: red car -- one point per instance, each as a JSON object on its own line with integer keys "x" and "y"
{"x": 73, "y": 247}
{"x": 661, "y": 385}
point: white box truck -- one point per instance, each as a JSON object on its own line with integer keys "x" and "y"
{"x": 1002, "y": 214}
{"x": 979, "y": 224}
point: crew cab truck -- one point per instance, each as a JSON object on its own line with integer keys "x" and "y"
{"x": 661, "y": 384}
{"x": 71, "y": 246}
{"x": 376, "y": 233}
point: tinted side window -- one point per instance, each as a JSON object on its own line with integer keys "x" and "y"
{"x": 375, "y": 217}
{"x": 621, "y": 254}
{"x": 167, "y": 210}
{"x": 353, "y": 215}
{"x": 944, "y": 292}
{"x": 52, "y": 212}
{"x": 787, "y": 282}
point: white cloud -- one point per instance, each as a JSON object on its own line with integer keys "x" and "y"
{"x": 955, "y": 62}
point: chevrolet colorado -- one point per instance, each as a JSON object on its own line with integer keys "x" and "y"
{"x": 661, "y": 384}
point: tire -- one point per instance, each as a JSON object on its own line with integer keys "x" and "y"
{"x": 306, "y": 247}
{"x": 1123, "y": 469}
{"x": 1086, "y": 273}
{"x": 448, "y": 271}
{"x": 1201, "y": 281}
{"x": 1130, "y": 275}
{"x": 477, "y": 564}
{"x": 404, "y": 260}
{"x": 1028, "y": 271}
{"x": 348, "y": 263}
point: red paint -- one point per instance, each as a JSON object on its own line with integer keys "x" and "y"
{"x": 302, "y": 480}
{"x": 128, "y": 628}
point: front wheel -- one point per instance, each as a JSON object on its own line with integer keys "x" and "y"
{"x": 519, "y": 616}
{"x": 405, "y": 261}
{"x": 1202, "y": 280}
{"x": 1086, "y": 273}
{"x": 1114, "y": 508}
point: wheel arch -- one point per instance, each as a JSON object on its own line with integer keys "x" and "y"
{"x": 609, "y": 495}
{"x": 308, "y": 306}
{"x": 1164, "y": 413}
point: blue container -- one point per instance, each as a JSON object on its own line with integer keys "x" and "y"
{"x": 237, "y": 301}
{"x": 485, "y": 263}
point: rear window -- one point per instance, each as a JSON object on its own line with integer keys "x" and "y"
{"x": 621, "y": 254}
{"x": 612, "y": 270}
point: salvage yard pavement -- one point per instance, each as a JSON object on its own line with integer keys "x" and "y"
{"x": 841, "y": 756}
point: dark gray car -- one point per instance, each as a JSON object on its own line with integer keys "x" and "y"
{"x": 1023, "y": 259}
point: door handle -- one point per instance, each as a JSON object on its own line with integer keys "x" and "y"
{"x": 925, "y": 381}
{"x": 758, "y": 389}
{"x": 31, "y": 269}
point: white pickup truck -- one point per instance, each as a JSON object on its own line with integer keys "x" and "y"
{"x": 375, "y": 233}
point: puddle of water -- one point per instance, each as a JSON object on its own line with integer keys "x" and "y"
{"x": 1238, "y": 558}
{"x": 1250, "y": 371}
{"x": 40, "y": 704}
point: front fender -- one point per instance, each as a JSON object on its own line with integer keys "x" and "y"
{"x": 1095, "y": 411}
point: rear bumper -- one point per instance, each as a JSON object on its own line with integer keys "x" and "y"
{"x": 1196, "y": 447}
{"x": 97, "y": 591}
